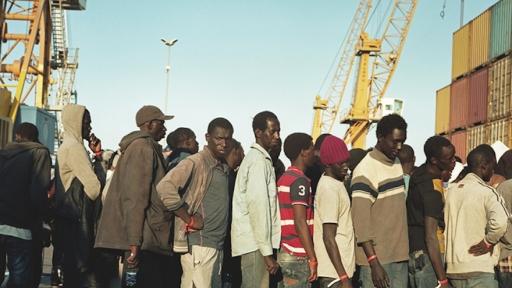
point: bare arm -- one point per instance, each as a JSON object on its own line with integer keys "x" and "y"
{"x": 379, "y": 276}
{"x": 433, "y": 247}
{"x": 301, "y": 227}
{"x": 329, "y": 237}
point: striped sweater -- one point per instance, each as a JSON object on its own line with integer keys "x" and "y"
{"x": 378, "y": 208}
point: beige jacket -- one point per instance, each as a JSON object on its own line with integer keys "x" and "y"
{"x": 72, "y": 155}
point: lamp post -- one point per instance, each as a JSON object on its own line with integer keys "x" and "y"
{"x": 169, "y": 44}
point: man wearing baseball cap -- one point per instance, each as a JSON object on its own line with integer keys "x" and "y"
{"x": 132, "y": 206}
{"x": 333, "y": 231}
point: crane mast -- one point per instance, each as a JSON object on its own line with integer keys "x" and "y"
{"x": 382, "y": 55}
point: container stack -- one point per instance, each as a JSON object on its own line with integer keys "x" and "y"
{"x": 476, "y": 107}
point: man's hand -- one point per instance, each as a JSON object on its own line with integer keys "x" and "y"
{"x": 481, "y": 248}
{"x": 313, "y": 268}
{"x": 379, "y": 276}
{"x": 196, "y": 223}
{"x": 346, "y": 284}
{"x": 272, "y": 265}
{"x": 94, "y": 143}
{"x": 133, "y": 258}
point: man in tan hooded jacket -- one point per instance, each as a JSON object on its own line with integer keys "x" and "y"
{"x": 78, "y": 188}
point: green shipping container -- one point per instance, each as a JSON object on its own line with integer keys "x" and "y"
{"x": 501, "y": 31}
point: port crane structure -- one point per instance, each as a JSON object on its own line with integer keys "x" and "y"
{"x": 378, "y": 58}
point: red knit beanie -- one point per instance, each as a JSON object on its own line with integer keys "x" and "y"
{"x": 333, "y": 150}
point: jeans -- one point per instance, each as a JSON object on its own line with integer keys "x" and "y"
{"x": 485, "y": 280}
{"x": 295, "y": 270}
{"x": 254, "y": 271}
{"x": 421, "y": 271}
{"x": 19, "y": 257}
{"x": 504, "y": 279}
{"x": 397, "y": 273}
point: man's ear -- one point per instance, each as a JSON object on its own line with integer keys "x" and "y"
{"x": 207, "y": 137}
{"x": 257, "y": 133}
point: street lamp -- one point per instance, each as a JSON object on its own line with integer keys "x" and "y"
{"x": 169, "y": 44}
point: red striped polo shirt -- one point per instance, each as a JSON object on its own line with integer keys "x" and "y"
{"x": 294, "y": 188}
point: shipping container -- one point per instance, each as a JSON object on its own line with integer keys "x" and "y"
{"x": 5, "y": 131}
{"x": 443, "y": 110}
{"x": 479, "y": 40}
{"x": 499, "y": 130}
{"x": 460, "y": 52}
{"x": 458, "y": 140}
{"x": 46, "y": 124}
{"x": 501, "y": 28}
{"x": 459, "y": 99}
{"x": 500, "y": 89}
{"x": 476, "y": 136}
{"x": 478, "y": 92}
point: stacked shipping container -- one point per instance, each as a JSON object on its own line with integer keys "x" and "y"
{"x": 476, "y": 107}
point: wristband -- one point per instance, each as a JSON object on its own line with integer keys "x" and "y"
{"x": 371, "y": 258}
{"x": 443, "y": 282}
{"x": 190, "y": 223}
{"x": 312, "y": 261}
{"x": 98, "y": 153}
{"x": 487, "y": 245}
{"x": 343, "y": 277}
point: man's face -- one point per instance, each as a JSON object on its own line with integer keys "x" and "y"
{"x": 270, "y": 136}
{"x": 340, "y": 170}
{"x": 235, "y": 157}
{"x": 192, "y": 145}
{"x": 219, "y": 141}
{"x": 391, "y": 144}
{"x": 157, "y": 129}
{"x": 309, "y": 155}
{"x": 86, "y": 125}
{"x": 446, "y": 162}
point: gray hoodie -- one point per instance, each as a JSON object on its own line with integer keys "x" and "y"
{"x": 72, "y": 155}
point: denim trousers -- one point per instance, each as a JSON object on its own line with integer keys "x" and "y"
{"x": 295, "y": 271}
{"x": 485, "y": 280}
{"x": 397, "y": 273}
{"x": 421, "y": 271}
{"x": 19, "y": 260}
{"x": 254, "y": 271}
{"x": 504, "y": 279}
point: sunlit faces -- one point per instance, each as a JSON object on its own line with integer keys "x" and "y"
{"x": 219, "y": 141}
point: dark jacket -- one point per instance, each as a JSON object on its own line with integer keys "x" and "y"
{"x": 133, "y": 214}
{"x": 25, "y": 179}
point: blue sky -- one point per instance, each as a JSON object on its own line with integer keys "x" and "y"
{"x": 237, "y": 58}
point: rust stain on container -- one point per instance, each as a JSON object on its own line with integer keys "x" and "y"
{"x": 476, "y": 136}
{"x": 499, "y": 130}
{"x": 459, "y": 141}
{"x": 460, "y": 51}
{"x": 500, "y": 89}
{"x": 478, "y": 92}
{"x": 459, "y": 99}
{"x": 479, "y": 39}
{"x": 443, "y": 110}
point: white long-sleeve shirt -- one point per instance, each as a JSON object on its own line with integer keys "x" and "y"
{"x": 473, "y": 211}
{"x": 255, "y": 224}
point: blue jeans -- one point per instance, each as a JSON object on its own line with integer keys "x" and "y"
{"x": 504, "y": 279}
{"x": 421, "y": 271}
{"x": 19, "y": 253}
{"x": 295, "y": 270}
{"x": 486, "y": 280}
{"x": 397, "y": 273}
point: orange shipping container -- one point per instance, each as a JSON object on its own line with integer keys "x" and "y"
{"x": 459, "y": 98}
{"x": 479, "y": 40}
{"x": 499, "y": 131}
{"x": 459, "y": 141}
{"x": 475, "y": 137}
{"x": 478, "y": 92}
{"x": 460, "y": 52}
{"x": 500, "y": 89}
{"x": 443, "y": 110}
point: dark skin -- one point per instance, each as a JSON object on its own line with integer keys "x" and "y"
{"x": 337, "y": 171}
{"x": 94, "y": 142}
{"x": 440, "y": 168}
{"x": 302, "y": 162}
{"x": 390, "y": 146}
{"x": 484, "y": 170}
{"x": 266, "y": 139}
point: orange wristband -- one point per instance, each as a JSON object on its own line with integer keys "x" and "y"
{"x": 343, "y": 277}
{"x": 371, "y": 258}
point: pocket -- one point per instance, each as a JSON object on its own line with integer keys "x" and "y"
{"x": 420, "y": 262}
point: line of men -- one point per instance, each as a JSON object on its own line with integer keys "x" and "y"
{"x": 151, "y": 214}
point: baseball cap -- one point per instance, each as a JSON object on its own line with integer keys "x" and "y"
{"x": 148, "y": 113}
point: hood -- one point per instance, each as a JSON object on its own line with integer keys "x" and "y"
{"x": 128, "y": 139}
{"x": 14, "y": 148}
{"x": 72, "y": 118}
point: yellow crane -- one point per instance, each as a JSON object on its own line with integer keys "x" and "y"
{"x": 378, "y": 58}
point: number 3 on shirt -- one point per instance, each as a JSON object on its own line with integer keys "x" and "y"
{"x": 302, "y": 190}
